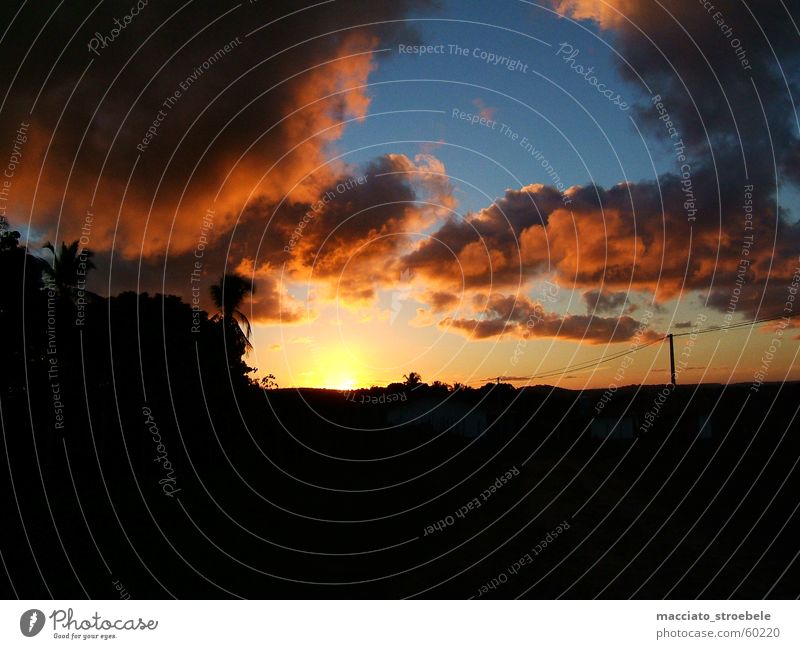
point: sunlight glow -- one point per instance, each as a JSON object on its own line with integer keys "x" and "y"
{"x": 338, "y": 368}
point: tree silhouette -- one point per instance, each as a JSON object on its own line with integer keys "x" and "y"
{"x": 9, "y": 239}
{"x": 412, "y": 379}
{"x": 228, "y": 296}
{"x": 68, "y": 266}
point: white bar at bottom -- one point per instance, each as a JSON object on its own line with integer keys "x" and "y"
{"x": 401, "y": 624}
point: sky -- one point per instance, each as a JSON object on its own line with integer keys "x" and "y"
{"x": 544, "y": 184}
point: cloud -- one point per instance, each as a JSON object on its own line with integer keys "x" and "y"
{"x": 483, "y": 248}
{"x": 350, "y": 239}
{"x": 207, "y": 113}
{"x": 519, "y": 317}
{"x": 440, "y": 300}
{"x": 726, "y": 77}
{"x": 726, "y": 80}
{"x": 630, "y": 237}
{"x": 270, "y": 302}
{"x": 486, "y": 112}
{"x": 607, "y": 14}
{"x": 607, "y": 302}
{"x": 710, "y": 228}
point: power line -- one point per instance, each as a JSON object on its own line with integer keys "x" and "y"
{"x": 583, "y": 365}
{"x": 749, "y": 323}
{"x": 587, "y": 364}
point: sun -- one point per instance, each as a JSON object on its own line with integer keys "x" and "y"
{"x": 338, "y": 368}
{"x": 340, "y": 383}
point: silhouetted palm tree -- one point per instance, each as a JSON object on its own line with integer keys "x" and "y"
{"x": 228, "y": 296}
{"x": 69, "y": 267}
{"x": 413, "y": 379}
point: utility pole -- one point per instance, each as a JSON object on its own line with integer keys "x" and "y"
{"x": 672, "y": 362}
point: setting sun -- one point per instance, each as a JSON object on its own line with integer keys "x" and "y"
{"x": 339, "y": 368}
{"x": 340, "y": 383}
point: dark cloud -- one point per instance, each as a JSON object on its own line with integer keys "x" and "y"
{"x": 725, "y": 74}
{"x": 519, "y": 317}
{"x": 607, "y": 302}
{"x": 351, "y": 239}
{"x": 621, "y": 239}
{"x": 482, "y": 249}
{"x": 188, "y": 107}
{"x": 727, "y": 78}
{"x": 441, "y": 300}
{"x": 248, "y": 100}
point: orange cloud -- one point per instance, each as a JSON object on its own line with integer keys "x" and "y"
{"x": 227, "y": 118}
{"x": 271, "y": 302}
{"x": 631, "y": 237}
{"x": 519, "y": 317}
{"x": 608, "y": 13}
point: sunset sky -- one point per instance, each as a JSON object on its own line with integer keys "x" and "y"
{"x": 583, "y": 213}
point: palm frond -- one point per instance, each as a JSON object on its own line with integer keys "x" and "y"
{"x": 228, "y": 296}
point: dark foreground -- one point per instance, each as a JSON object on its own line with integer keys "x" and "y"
{"x": 208, "y": 490}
